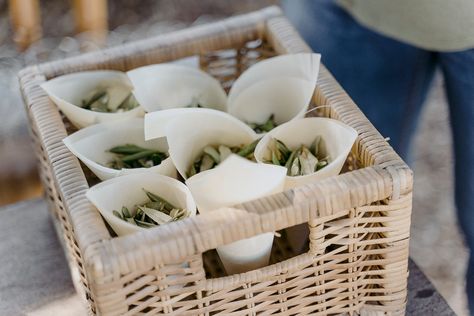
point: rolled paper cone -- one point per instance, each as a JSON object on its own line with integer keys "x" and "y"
{"x": 338, "y": 139}
{"x": 68, "y": 91}
{"x": 234, "y": 181}
{"x": 128, "y": 191}
{"x": 285, "y": 98}
{"x": 91, "y": 145}
{"x": 156, "y": 122}
{"x": 167, "y": 86}
{"x": 304, "y": 66}
{"x": 188, "y": 134}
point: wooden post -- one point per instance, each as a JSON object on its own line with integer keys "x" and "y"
{"x": 26, "y": 21}
{"x": 91, "y": 17}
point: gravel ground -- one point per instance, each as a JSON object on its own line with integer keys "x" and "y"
{"x": 435, "y": 237}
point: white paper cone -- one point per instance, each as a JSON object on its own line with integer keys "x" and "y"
{"x": 156, "y": 122}
{"x": 285, "y": 98}
{"x": 128, "y": 191}
{"x": 303, "y": 66}
{"x": 338, "y": 140}
{"x": 68, "y": 91}
{"x": 92, "y": 143}
{"x": 189, "y": 133}
{"x": 234, "y": 181}
{"x": 166, "y": 86}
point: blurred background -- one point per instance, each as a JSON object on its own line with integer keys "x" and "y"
{"x": 34, "y": 31}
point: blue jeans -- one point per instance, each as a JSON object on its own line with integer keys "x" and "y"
{"x": 389, "y": 80}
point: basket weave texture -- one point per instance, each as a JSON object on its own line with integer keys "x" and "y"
{"x": 356, "y": 261}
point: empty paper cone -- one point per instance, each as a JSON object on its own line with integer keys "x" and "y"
{"x": 68, "y": 92}
{"x": 234, "y": 181}
{"x": 190, "y": 133}
{"x": 129, "y": 191}
{"x": 92, "y": 143}
{"x": 167, "y": 86}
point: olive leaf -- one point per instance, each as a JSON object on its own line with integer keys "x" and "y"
{"x": 265, "y": 127}
{"x": 298, "y": 162}
{"x": 133, "y": 156}
{"x": 211, "y": 156}
{"x": 157, "y": 211}
{"x": 99, "y": 102}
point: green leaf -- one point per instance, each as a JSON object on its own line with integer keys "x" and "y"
{"x": 139, "y": 155}
{"x": 213, "y": 153}
{"x": 155, "y": 198}
{"x": 144, "y": 224}
{"x": 95, "y": 97}
{"x": 282, "y": 148}
{"x": 127, "y": 149}
{"x": 125, "y": 212}
{"x": 295, "y": 167}
{"x": 314, "y": 148}
{"x": 249, "y": 149}
{"x": 275, "y": 160}
{"x": 206, "y": 163}
{"x": 308, "y": 161}
{"x": 289, "y": 162}
{"x": 157, "y": 216}
{"x": 269, "y": 124}
{"x": 128, "y": 103}
{"x": 224, "y": 152}
{"x": 321, "y": 164}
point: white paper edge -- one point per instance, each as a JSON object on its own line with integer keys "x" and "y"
{"x": 196, "y": 117}
{"x": 166, "y": 167}
{"x": 90, "y": 195}
{"x": 318, "y": 175}
{"x": 80, "y": 117}
{"x": 240, "y": 108}
{"x": 156, "y": 122}
{"x": 302, "y": 65}
{"x": 135, "y": 75}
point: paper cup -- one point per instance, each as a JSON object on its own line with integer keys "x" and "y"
{"x": 234, "y": 181}
{"x": 92, "y": 143}
{"x": 166, "y": 86}
{"x": 68, "y": 91}
{"x": 128, "y": 191}
{"x": 338, "y": 140}
{"x": 189, "y": 133}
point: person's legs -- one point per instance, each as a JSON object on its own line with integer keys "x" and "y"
{"x": 458, "y": 70}
{"x": 387, "y": 79}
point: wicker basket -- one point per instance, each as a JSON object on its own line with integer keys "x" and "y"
{"x": 357, "y": 255}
